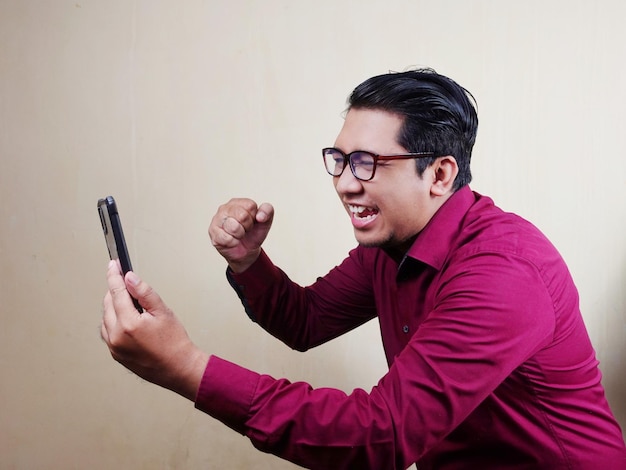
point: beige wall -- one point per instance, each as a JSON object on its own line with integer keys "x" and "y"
{"x": 176, "y": 106}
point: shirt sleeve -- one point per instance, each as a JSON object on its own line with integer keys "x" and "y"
{"x": 305, "y": 317}
{"x": 456, "y": 358}
{"x": 315, "y": 428}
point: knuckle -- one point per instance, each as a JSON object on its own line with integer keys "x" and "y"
{"x": 147, "y": 290}
{"x": 117, "y": 291}
{"x": 224, "y": 240}
{"x": 124, "y": 335}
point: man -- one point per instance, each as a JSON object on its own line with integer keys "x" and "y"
{"x": 490, "y": 365}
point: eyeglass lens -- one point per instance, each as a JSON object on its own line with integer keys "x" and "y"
{"x": 361, "y": 163}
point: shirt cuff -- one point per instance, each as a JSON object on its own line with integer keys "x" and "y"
{"x": 226, "y": 392}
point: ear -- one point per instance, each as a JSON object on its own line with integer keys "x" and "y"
{"x": 444, "y": 173}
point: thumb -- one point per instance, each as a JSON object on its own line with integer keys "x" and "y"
{"x": 263, "y": 223}
{"x": 265, "y": 214}
{"x": 145, "y": 294}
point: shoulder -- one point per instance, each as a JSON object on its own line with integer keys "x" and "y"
{"x": 487, "y": 228}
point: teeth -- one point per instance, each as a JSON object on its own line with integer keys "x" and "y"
{"x": 357, "y": 209}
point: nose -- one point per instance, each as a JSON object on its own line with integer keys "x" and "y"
{"x": 347, "y": 183}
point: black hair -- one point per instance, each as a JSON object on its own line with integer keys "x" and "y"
{"x": 439, "y": 115}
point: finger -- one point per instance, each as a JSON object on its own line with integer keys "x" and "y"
{"x": 223, "y": 240}
{"x": 118, "y": 264}
{"x": 109, "y": 321}
{"x": 241, "y": 209}
{"x": 239, "y": 219}
{"x": 243, "y": 204}
{"x": 224, "y": 230}
{"x": 121, "y": 305}
{"x": 233, "y": 227}
{"x": 145, "y": 294}
{"x": 228, "y": 233}
{"x": 104, "y": 334}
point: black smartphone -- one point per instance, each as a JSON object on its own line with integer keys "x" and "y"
{"x": 114, "y": 236}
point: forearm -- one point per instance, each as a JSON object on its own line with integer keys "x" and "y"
{"x": 304, "y": 317}
{"x": 456, "y": 359}
{"x": 318, "y": 429}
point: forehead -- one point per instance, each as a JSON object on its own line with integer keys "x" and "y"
{"x": 370, "y": 129}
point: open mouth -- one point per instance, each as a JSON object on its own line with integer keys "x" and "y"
{"x": 362, "y": 213}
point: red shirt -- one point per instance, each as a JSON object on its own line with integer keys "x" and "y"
{"x": 490, "y": 364}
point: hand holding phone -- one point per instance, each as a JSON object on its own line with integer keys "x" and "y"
{"x": 114, "y": 236}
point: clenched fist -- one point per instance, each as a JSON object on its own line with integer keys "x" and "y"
{"x": 238, "y": 230}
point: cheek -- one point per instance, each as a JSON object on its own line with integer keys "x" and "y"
{"x": 406, "y": 214}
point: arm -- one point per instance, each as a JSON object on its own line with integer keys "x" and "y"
{"x": 304, "y": 317}
{"x": 440, "y": 377}
{"x": 458, "y": 356}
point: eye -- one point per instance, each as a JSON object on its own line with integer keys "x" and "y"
{"x": 333, "y": 155}
{"x": 363, "y": 160}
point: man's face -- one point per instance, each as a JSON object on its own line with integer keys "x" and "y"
{"x": 390, "y": 209}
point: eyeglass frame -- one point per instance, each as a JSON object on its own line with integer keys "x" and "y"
{"x": 347, "y": 160}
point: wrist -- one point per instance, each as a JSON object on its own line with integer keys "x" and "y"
{"x": 242, "y": 265}
{"x": 190, "y": 375}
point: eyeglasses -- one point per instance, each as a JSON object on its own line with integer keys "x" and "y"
{"x": 362, "y": 163}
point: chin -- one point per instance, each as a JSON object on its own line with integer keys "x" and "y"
{"x": 374, "y": 242}
{"x": 390, "y": 244}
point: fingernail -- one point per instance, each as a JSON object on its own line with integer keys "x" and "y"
{"x": 132, "y": 278}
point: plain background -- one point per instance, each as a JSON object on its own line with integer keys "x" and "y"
{"x": 174, "y": 107}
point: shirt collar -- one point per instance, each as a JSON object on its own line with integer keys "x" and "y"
{"x": 433, "y": 243}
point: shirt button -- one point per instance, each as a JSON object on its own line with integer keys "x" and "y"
{"x": 405, "y": 328}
